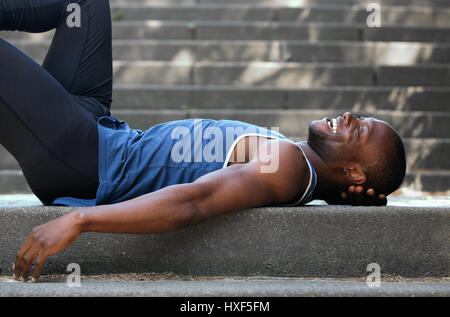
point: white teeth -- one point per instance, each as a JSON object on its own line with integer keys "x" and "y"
{"x": 334, "y": 125}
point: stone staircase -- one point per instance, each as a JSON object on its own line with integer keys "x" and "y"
{"x": 280, "y": 64}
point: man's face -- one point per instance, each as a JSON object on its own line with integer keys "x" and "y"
{"x": 347, "y": 139}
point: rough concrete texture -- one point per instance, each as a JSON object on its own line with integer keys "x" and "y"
{"x": 301, "y": 3}
{"x": 261, "y": 30}
{"x": 226, "y": 288}
{"x": 312, "y": 241}
{"x": 317, "y": 13}
{"x": 373, "y": 53}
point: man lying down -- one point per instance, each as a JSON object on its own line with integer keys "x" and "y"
{"x": 182, "y": 172}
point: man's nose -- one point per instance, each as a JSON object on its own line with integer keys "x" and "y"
{"x": 348, "y": 117}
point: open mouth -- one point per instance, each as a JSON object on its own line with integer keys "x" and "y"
{"x": 332, "y": 124}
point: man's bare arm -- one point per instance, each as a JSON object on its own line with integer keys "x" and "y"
{"x": 233, "y": 188}
{"x": 236, "y": 187}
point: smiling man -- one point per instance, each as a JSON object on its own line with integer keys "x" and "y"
{"x": 357, "y": 151}
{"x": 56, "y": 122}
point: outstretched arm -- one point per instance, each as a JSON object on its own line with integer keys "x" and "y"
{"x": 236, "y": 187}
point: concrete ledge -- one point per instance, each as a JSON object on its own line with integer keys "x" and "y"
{"x": 277, "y": 74}
{"x": 313, "y": 241}
{"x": 261, "y": 30}
{"x": 289, "y": 121}
{"x": 373, "y": 53}
{"x": 300, "y": 3}
{"x": 13, "y": 181}
{"x": 249, "y": 12}
{"x": 165, "y": 97}
{"x": 227, "y": 288}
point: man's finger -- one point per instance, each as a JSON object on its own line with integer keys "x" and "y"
{"x": 27, "y": 262}
{"x": 359, "y": 196}
{"x": 372, "y": 199}
{"x": 39, "y": 265}
{"x": 351, "y": 194}
{"x": 382, "y": 199}
{"x": 26, "y": 245}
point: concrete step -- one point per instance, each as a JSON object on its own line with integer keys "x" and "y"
{"x": 295, "y": 3}
{"x": 434, "y": 181}
{"x": 428, "y": 181}
{"x": 412, "y": 124}
{"x": 229, "y": 287}
{"x": 277, "y": 74}
{"x": 427, "y": 153}
{"x": 13, "y": 181}
{"x": 226, "y": 97}
{"x": 312, "y": 241}
{"x": 249, "y": 12}
{"x": 378, "y": 53}
{"x": 261, "y": 30}
{"x": 421, "y": 154}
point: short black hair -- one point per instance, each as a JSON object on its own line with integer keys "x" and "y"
{"x": 388, "y": 176}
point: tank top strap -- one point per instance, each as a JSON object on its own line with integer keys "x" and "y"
{"x": 308, "y": 194}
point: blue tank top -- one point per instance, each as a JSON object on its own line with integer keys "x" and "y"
{"x": 134, "y": 162}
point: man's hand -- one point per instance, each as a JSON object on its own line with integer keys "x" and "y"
{"x": 43, "y": 242}
{"x": 356, "y": 196}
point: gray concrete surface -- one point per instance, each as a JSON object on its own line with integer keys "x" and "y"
{"x": 245, "y": 11}
{"x": 13, "y": 181}
{"x": 372, "y": 53}
{"x": 289, "y": 121}
{"x": 313, "y": 241}
{"x": 226, "y": 288}
{"x": 301, "y": 3}
{"x": 330, "y": 98}
{"x": 279, "y": 75}
{"x": 262, "y": 30}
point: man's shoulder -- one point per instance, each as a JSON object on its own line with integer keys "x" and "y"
{"x": 292, "y": 159}
{"x": 291, "y": 175}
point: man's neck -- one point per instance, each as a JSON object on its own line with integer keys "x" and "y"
{"x": 325, "y": 183}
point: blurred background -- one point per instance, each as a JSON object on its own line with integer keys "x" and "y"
{"x": 281, "y": 63}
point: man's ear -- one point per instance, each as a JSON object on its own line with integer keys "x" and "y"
{"x": 355, "y": 175}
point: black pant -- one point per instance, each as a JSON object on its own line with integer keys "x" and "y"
{"x": 48, "y": 113}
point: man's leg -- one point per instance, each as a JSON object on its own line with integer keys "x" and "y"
{"x": 31, "y": 15}
{"x": 54, "y": 140}
{"x": 80, "y": 55}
